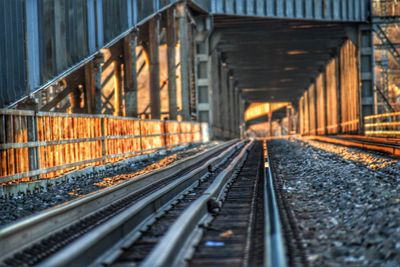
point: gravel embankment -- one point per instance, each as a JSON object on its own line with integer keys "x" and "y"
{"x": 20, "y": 205}
{"x": 346, "y": 202}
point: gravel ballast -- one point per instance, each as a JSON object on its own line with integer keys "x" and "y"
{"x": 345, "y": 202}
{"x": 17, "y": 206}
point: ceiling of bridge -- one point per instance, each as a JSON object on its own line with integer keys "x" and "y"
{"x": 275, "y": 60}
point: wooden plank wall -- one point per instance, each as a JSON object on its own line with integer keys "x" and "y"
{"x": 332, "y": 97}
{"x": 67, "y": 142}
{"x": 331, "y": 104}
{"x": 350, "y": 98}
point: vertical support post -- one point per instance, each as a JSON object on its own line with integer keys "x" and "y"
{"x": 231, "y": 92}
{"x": 131, "y": 85}
{"x": 184, "y": 56}
{"x": 117, "y": 88}
{"x": 33, "y": 153}
{"x": 235, "y": 112}
{"x": 74, "y": 98}
{"x": 224, "y": 101}
{"x": 325, "y": 92}
{"x": 270, "y": 119}
{"x": 171, "y": 43}
{"x": 191, "y": 72}
{"x": 339, "y": 93}
{"x": 103, "y": 139}
{"x": 89, "y": 88}
{"x": 366, "y": 69}
{"x": 154, "y": 43}
{"x": 288, "y": 116}
{"x": 164, "y": 133}
{"x": 214, "y": 95}
{"x": 241, "y": 118}
{"x": 98, "y": 69}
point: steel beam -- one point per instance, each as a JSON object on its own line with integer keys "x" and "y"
{"x": 171, "y": 43}
{"x": 131, "y": 85}
{"x": 98, "y": 69}
{"x": 184, "y": 59}
{"x": 154, "y": 44}
{"x": 366, "y": 68}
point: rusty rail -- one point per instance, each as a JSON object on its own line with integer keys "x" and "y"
{"x": 43, "y": 145}
{"x": 386, "y": 124}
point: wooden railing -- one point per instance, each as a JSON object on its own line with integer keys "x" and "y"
{"x": 40, "y": 145}
{"x": 387, "y": 125}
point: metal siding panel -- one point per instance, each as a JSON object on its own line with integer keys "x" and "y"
{"x": 289, "y": 8}
{"x": 91, "y": 26}
{"x": 12, "y": 42}
{"x": 309, "y": 9}
{"x": 318, "y": 9}
{"x": 299, "y": 8}
{"x": 3, "y": 92}
{"x": 350, "y": 9}
{"x": 250, "y": 7}
{"x": 134, "y": 11}
{"x": 336, "y": 9}
{"x": 239, "y": 6}
{"x": 260, "y": 7}
{"x": 363, "y": 5}
{"x": 99, "y": 23}
{"x": 219, "y": 7}
{"x": 357, "y": 10}
{"x": 229, "y": 6}
{"x": 271, "y": 8}
{"x": 279, "y": 8}
{"x": 343, "y": 12}
{"x": 129, "y": 10}
{"x": 327, "y": 9}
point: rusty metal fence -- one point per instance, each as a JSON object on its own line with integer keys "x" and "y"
{"x": 387, "y": 125}
{"x": 41, "y": 145}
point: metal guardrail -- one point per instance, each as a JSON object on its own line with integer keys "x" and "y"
{"x": 386, "y": 124}
{"x": 42, "y": 145}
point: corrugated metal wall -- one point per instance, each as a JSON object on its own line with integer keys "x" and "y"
{"x": 115, "y": 18}
{"x": 145, "y": 8}
{"x": 12, "y": 53}
{"x": 338, "y": 10}
{"x": 332, "y": 106}
{"x": 63, "y": 35}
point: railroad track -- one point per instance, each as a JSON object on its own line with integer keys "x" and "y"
{"x": 227, "y": 225}
{"x": 214, "y": 210}
{"x": 35, "y": 239}
{"x": 369, "y": 144}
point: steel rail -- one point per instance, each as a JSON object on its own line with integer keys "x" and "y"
{"x": 24, "y": 233}
{"x": 89, "y": 247}
{"x": 184, "y": 233}
{"x": 275, "y": 250}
